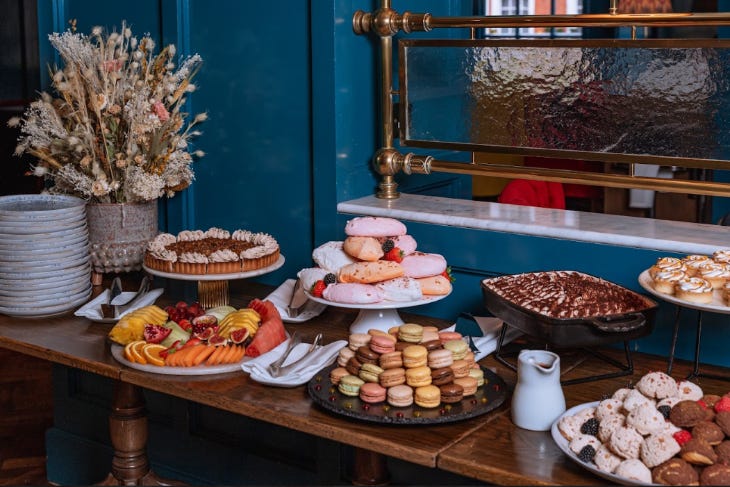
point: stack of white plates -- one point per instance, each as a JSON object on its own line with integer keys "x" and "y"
{"x": 44, "y": 255}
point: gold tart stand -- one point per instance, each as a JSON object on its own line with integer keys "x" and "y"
{"x": 213, "y": 288}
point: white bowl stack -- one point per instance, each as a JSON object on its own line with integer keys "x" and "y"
{"x": 44, "y": 255}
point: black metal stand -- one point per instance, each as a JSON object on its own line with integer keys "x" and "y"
{"x": 698, "y": 339}
{"x": 624, "y": 369}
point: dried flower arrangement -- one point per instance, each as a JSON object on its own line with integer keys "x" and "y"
{"x": 116, "y": 132}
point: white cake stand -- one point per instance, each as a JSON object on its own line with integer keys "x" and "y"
{"x": 213, "y": 288}
{"x": 380, "y": 316}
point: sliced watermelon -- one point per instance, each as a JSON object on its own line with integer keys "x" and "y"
{"x": 265, "y": 309}
{"x": 269, "y": 335}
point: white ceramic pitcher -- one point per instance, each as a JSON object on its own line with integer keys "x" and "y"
{"x": 538, "y": 398}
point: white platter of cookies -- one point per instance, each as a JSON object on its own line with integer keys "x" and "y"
{"x": 662, "y": 432}
{"x": 695, "y": 281}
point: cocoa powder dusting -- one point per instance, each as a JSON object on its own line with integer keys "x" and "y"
{"x": 566, "y": 294}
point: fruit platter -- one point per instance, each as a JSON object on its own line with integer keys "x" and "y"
{"x": 187, "y": 339}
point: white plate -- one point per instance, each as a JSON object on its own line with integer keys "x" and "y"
{"x": 11, "y": 239}
{"x": 40, "y": 256}
{"x": 30, "y": 290}
{"x": 34, "y": 267}
{"x": 49, "y": 282}
{"x": 118, "y": 353}
{"x": 26, "y": 228}
{"x": 47, "y": 273}
{"x": 74, "y": 241}
{"x": 46, "y": 302}
{"x": 564, "y": 445}
{"x": 381, "y": 304}
{"x": 43, "y": 311}
{"x": 217, "y": 277}
{"x": 29, "y": 207}
{"x": 717, "y": 305}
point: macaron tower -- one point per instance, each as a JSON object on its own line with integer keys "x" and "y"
{"x": 407, "y": 366}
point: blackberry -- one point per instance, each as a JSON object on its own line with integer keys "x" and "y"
{"x": 664, "y": 410}
{"x": 388, "y": 245}
{"x": 330, "y": 279}
{"x": 590, "y": 427}
{"x": 587, "y": 453}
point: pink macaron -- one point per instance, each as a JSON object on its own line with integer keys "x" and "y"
{"x": 372, "y": 392}
{"x": 374, "y": 226}
{"x": 419, "y": 264}
{"x": 382, "y": 344}
{"x": 440, "y": 358}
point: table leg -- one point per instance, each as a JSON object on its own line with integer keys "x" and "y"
{"x": 674, "y": 341}
{"x": 369, "y": 468}
{"x": 128, "y": 430}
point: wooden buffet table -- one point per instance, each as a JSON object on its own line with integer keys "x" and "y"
{"x": 489, "y": 448}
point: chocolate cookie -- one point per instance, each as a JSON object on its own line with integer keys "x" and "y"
{"x": 686, "y": 414}
{"x": 723, "y": 421}
{"x": 674, "y": 471}
{"x": 708, "y": 431}
{"x": 717, "y": 474}
{"x": 723, "y": 452}
{"x": 698, "y": 452}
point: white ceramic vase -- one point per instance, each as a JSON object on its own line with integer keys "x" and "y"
{"x": 118, "y": 234}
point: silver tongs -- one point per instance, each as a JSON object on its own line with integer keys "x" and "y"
{"x": 297, "y": 301}
{"x": 277, "y": 368}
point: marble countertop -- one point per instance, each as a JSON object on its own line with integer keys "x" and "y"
{"x": 646, "y": 233}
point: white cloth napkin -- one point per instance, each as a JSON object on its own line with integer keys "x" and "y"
{"x": 491, "y": 328}
{"x": 302, "y": 372}
{"x": 281, "y": 297}
{"x": 92, "y": 309}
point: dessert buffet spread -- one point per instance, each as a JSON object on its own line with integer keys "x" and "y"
{"x": 377, "y": 262}
{"x": 698, "y": 279}
{"x": 215, "y": 251}
{"x": 185, "y": 336}
{"x": 662, "y": 431}
{"x": 569, "y": 308}
{"x": 412, "y": 374}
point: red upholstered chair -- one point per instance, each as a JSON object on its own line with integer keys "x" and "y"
{"x": 526, "y": 192}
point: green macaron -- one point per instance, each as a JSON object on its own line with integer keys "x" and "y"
{"x": 350, "y": 385}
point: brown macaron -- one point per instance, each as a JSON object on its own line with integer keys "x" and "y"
{"x": 366, "y": 356}
{"x": 432, "y": 345}
{"x": 451, "y": 393}
{"x": 442, "y": 376}
{"x": 353, "y": 366}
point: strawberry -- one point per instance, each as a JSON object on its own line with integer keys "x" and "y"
{"x": 185, "y": 324}
{"x": 395, "y": 254}
{"x": 682, "y": 437}
{"x": 318, "y": 288}
{"x": 723, "y": 404}
{"x": 447, "y": 274}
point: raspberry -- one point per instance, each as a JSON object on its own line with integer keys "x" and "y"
{"x": 330, "y": 279}
{"x": 587, "y": 453}
{"x": 664, "y": 410}
{"x": 590, "y": 427}
{"x": 388, "y": 246}
{"x": 318, "y": 288}
{"x": 723, "y": 404}
{"x": 682, "y": 437}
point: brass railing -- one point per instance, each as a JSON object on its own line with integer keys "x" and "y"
{"x": 388, "y": 161}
